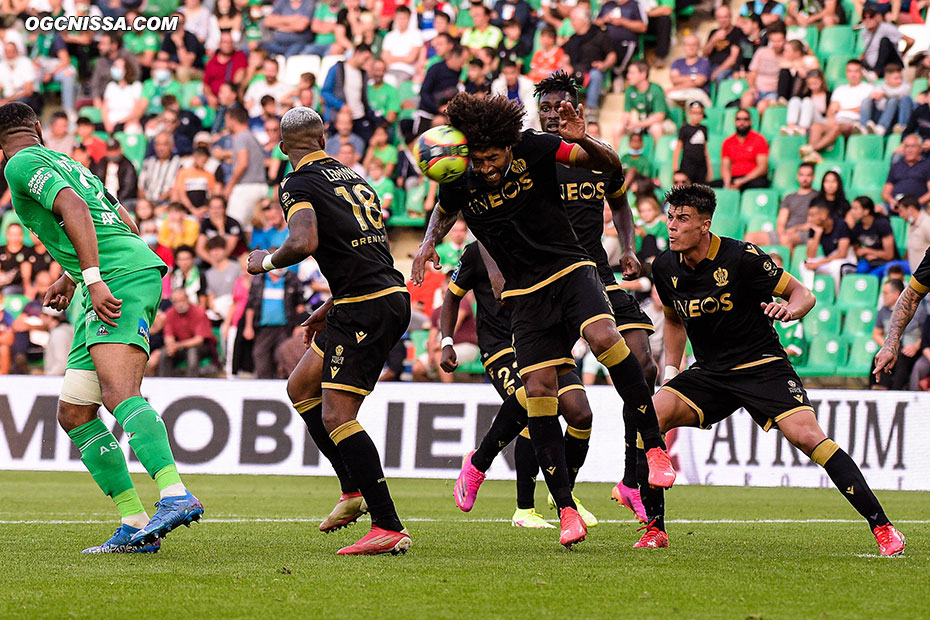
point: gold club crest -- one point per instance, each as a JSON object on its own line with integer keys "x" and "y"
{"x": 338, "y": 349}
{"x": 518, "y": 166}
{"x": 721, "y": 276}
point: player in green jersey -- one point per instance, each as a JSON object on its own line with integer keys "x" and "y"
{"x": 97, "y": 244}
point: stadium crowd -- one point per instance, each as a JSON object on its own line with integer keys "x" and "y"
{"x": 816, "y": 134}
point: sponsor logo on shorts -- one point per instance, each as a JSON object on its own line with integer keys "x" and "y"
{"x": 144, "y": 330}
{"x": 103, "y": 331}
{"x": 796, "y": 390}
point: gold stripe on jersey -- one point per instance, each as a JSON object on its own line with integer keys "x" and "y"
{"x": 688, "y": 402}
{"x": 782, "y": 416}
{"x": 764, "y": 360}
{"x": 547, "y": 281}
{"x": 497, "y": 356}
{"x": 457, "y": 290}
{"x": 375, "y": 295}
{"x": 594, "y": 319}
{"x": 316, "y": 349}
{"x": 345, "y": 388}
{"x": 309, "y": 158}
{"x": 300, "y": 206}
{"x": 619, "y": 192}
{"x": 547, "y": 364}
{"x": 782, "y": 284}
{"x": 714, "y": 247}
{"x": 918, "y": 286}
{"x": 613, "y": 287}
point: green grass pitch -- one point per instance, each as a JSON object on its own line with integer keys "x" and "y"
{"x": 258, "y": 554}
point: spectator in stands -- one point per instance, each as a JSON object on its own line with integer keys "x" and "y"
{"x": 268, "y": 84}
{"x": 831, "y": 235}
{"x": 42, "y": 261}
{"x": 144, "y": 44}
{"x": 246, "y": 185}
{"x": 513, "y": 46}
{"x": 346, "y": 88}
{"x": 691, "y": 146}
{"x": 918, "y": 232}
{"x": 188, "y": 276}
{"x": 382, "y": 97}
{"x": 796, "y": 64}
{"x": 401, "y": 48}
{"x": 464, "y": 337}
{"x": 59, "y": 137}
{"x": 880, "y": 40}
{"x": 644, "y": 103}
{"x": 221, "y": 279}
{"x": 159, "y": 171}
{"x": 229, "y": 17}
{"x": 769, "y": 11}
{"x": 349, "y": 158}
{"x": 518, "y": 11}
{"x": 833, "y": 194}
{"x": 7, "y": 339}
{"x": 185, "y": 52}
{"x": 651, "y": 228}
{"x": 517, "y": 88}
{"x": 723, "y": 45}
{"x": 744, "y": 156}
{"x": 194, "y": 185}
{"x": 122, "y": 109}
{"x": 764, "y": 70}
{"x": 383, "y": 186}
{"x": 274, "y": 232}
{"x": 920, "y": 122}
{"x": 343, "y": 135}
{"x": 440, "y": 85}
{"x": 624, "y": 23}
{"x": 118, "y": 174}
{"x": 889, "y": 104}
{"x": 753, "y": 39}
{"x": 842, "y": 115}
{"x": 482, "y": 33}
{"x": 178, "y": 228}
{"x": 659, "y": 24}
{"x": 110, "y": 47}
{"x": 791, "y": 226}
{"x": 15, "y": 267}
{"x": 160, "y": 84}
{"x": 873, "y": 239}
{"x": 53, "y": 63}
{"x": 476, "y": 82}
{"x": 271, "y": 314}
{"x": 323, "y": 25}
{"x": 202, "y": 23}
{"x": 451, "y": 249}
{"x": 591, "y": 55}
{"x": 911, "y": 336}
{"x": 380, "y": 148}
{"x": 188, "y": 336}
{"x": 226, "y": 99}
{"x": 290, "y": 24}
{"x": 809, "y": 106}
{"x": 690, "y": 76}
{"x": 814, "y": 13}
{"x": 548, "y": 57}
{"x": 909, "y": 176}
{"x": 227, "y": 65}
{"x": 17, "y": 77}
{"x": 60, "y": 334}
{"x": 347, "y": 25}
{"x": 238, "y": 351}
{"x": 28, "y": 324}
{"x": 634, "y": 160}
{"x": 218, "y": 225}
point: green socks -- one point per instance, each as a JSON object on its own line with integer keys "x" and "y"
{"x": 148, "y": 438}
{"x": 103, "y": 458}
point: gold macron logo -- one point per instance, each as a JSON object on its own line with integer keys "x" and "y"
{"x": 850, "y": 490}
{"x": 642, "y": 408}
{"x": 674, "y": 281}
{"x": 551, "y": 470}
{"x": 359, "y": 336}
{"x": 334, "y": 370}
{"x": 339, "y": 349}
{"x": 799, "y": 398}
{"x": 721, "y": 276}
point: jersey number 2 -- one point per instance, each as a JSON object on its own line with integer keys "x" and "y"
{"x": 369, "y": 202}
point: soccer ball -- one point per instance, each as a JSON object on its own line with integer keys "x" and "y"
{"x": 442, "y": 153}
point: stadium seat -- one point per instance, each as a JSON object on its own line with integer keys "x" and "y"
{"x": 665, "y": 148}
{"x": 727, "y": 227}
{"x": 868, "y": 173}
{"x": 810, "y": 35}
{"x": 822, "y": 321}
{"x": 206, "y": 115}
{"x": 727, "y": 203}
{"x": 471, "y": 368}
{"x": 783, "y": 149}
{"x": 824, "y": 356}
{"x": 835, "y": 72}
{"x": 785, "y": 177}
{"x": 94, "y": 114}
{"x": 862, "y": 147}
{"x": 134, "y": 146}
{"x": 899, "y": 228}
{"x": 773, "y": 120}
{"x": 326, "y": 63}
{"x": 419, "y": 338}
{"x": 891, "y": 143}
{"x": 862, "y": 350}
{"x": 665, "y": 174}
{"x": 920, "y": 85}
{"x": 714, "y": 146}
{"x": 824, "y": 289}
{"x": 762, "y": 223}
{"x": 797, "y": 260}
{"x": 842, "y": 168}
{"x": 729, "y": 120}
{"x": 858, "y": 322}
{"x": 295, "y": 66}
{"x": 858, "y": 290}
{"x": 759, "y": 202}
{"x": 836, "y": 151}
{"x": 728, "y": 91}
{"x": 14, "y": 304}
{"x": 713, "y": 119}
{"x": 782, "y": 250}
{"x": 407, "y": 91}
{"x": 835, "y": 40}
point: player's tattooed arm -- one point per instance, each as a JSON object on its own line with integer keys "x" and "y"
{"x": 302, "y": 241}
{"x": 593, "y": 154}
{"x": 623, "y": 222}
{"x": 440, "y": 224}
{"x": 904, "y": 311}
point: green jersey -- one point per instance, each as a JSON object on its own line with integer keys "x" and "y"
{"x": 384, "y": 99}
{"x": 36, "y": 175}
{"x": 647, "y": 103}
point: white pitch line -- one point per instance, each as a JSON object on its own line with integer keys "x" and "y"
{"x": 209, "y": 520}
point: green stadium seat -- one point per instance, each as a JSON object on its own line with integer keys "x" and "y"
{"x": 859, "y": 321}
{"x": 809, "y": 35}
{"x": 419, "y": 338}
{"x": 862, "y": 147}
{"x": 822, "y": 321}
{"x": 835, "y": 71}
{"x": 836, "y": 151}
{"x": 824, "y": 356}
{"x": 835, "y": 40}
{"x": 785, "y": 177}
{"x": 191, "y": 89}
{"x": 862, "y": 350}
{"x": 727, "y": 203}
{"x": 891, "y": 143}
{"x": 713, "y": 119}
{"x": 773, "y": 120}
{"x": 728, "y": 91}
{"x": 407, "y": 91}
{"x": 729, "y": 120}
{"x": 714, "y": 146}
{"x": 900, "y": 229}
{"x": 868, "y": 173}
{"x": 676, "y": 115}
{"x": 824, "y": 289}
{"x": 919, "y": 86}
{"x": 759, "y": 202}
{"x": 665, "y": 148}
{"x": 94, "y": 114}
{"x": 471, "y": 368}
{"x": 842, "y": 168}
{"x": 727, "y": 227}
{"x": 134, "y": 146}
{"x": 797, "y": 261}
{"x": 858, "y": 290}
{"x": 14, "y": 304}
{"x": 760, "y": 223}
{"x": 665, "y": 174}
{"x": 782, "y": 250}
{"x": 783, "y": 149}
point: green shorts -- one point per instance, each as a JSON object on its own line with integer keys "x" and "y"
{"x": 141, "y": 293}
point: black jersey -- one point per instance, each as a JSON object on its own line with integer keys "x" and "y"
{"x": 353, "y": 249}
{"x": 583, "y": 192}
{"x": 522, "y": 222}
{"x": 720, "y": 302}
{"x": 920, "y": 279}
{"x": 492, "y": 320}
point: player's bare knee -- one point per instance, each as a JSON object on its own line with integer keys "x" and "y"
{"x": 299, "y": 390}
{"x": 71, "y": 416}
{"x": 601, "y": 336}
{"x": 574, "y": 407}
{"x": 334, "y": 419}
{"x": 541, "y": 383}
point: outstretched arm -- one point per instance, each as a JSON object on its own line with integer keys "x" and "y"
{"x": 591, "y": 153}
{"x": 302, "y": 241}
{"x": 903, "y": 313}
{"x": 440, "y": 223}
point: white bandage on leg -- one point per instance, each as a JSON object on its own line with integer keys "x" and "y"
{"x": 81, "y": 387}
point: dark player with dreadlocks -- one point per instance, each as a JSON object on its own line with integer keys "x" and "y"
{"x": 510, "y": 199}
{"x": 584, "y": 192}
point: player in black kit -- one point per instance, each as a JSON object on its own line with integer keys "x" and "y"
{"x": 500, "y": 364}
{"x": 510, "y": 200}
{"x": 718, "y": 292}
{"x": 583, "y": 192}
{"x": 334, "y": 215}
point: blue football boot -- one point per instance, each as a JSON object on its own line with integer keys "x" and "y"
{"x": 172, "y": 512}
{"x": 120, "y": 543}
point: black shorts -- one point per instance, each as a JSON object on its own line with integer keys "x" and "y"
{"x": 547, "y": 322}
{"x": 357, "y": 340}
{"x": 502, "y": 371}
{"x": 627, "y": 312}
{"x": 769, "y": 392}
